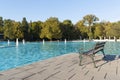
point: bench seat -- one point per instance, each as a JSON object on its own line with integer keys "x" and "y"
{"x": 91, "y": 53}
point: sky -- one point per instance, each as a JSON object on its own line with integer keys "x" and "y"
{"x": 74, "y": 10}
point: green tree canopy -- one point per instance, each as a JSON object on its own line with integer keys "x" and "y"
{"x": 51, "y": 29}
{"x": 1, "y": 25}
{"x": 25, "y": 28}
{"x": 35, "y": 30}
{"x": 113, "y": 30}
{"x": 82, "y": 29}
{"x": 67, "y": 29}
{"x": 8, "y": 28}
{"x": 17, "y": 30}
{"x": 99, "y": 31}
{"x": 89, "y": 20}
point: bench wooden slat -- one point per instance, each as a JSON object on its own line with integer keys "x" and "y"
{"x": 99, "y": 45}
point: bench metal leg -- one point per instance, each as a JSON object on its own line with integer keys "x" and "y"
{"x": 92, "y": 57}
{"x": 103, "y": 53}
{"x": 80, "y": 56}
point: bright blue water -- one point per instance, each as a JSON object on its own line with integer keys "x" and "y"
{"x": 11, "y": 57}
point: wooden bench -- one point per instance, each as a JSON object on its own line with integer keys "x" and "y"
{"x": 99, "y": 46}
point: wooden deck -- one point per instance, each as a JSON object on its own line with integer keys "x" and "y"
{"x": 66, "y": 67}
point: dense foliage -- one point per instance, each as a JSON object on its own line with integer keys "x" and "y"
{"x": 53, "y": 29}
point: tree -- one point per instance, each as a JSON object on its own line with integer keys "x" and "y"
{"x": 99, "y": 30}
{"x": 8, "y": 29}
{"x": 89, "y": 21}
{"x": 25, "y": 29}
{"x": 82, "y": 29}
{"x": 1, "y": 25}
{"x": 35, "y": 30}
{"x": 17, "y": 30}
{"x": 113, "y": 30}
{"x": 107, "y": 28}
{"x": 67, "y": 29}
{"x": 51, "y": 29}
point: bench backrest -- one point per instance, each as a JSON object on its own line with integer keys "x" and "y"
{"x": 99, "y": 47}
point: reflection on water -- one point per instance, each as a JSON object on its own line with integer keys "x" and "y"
{"x": 112, "y": 48}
